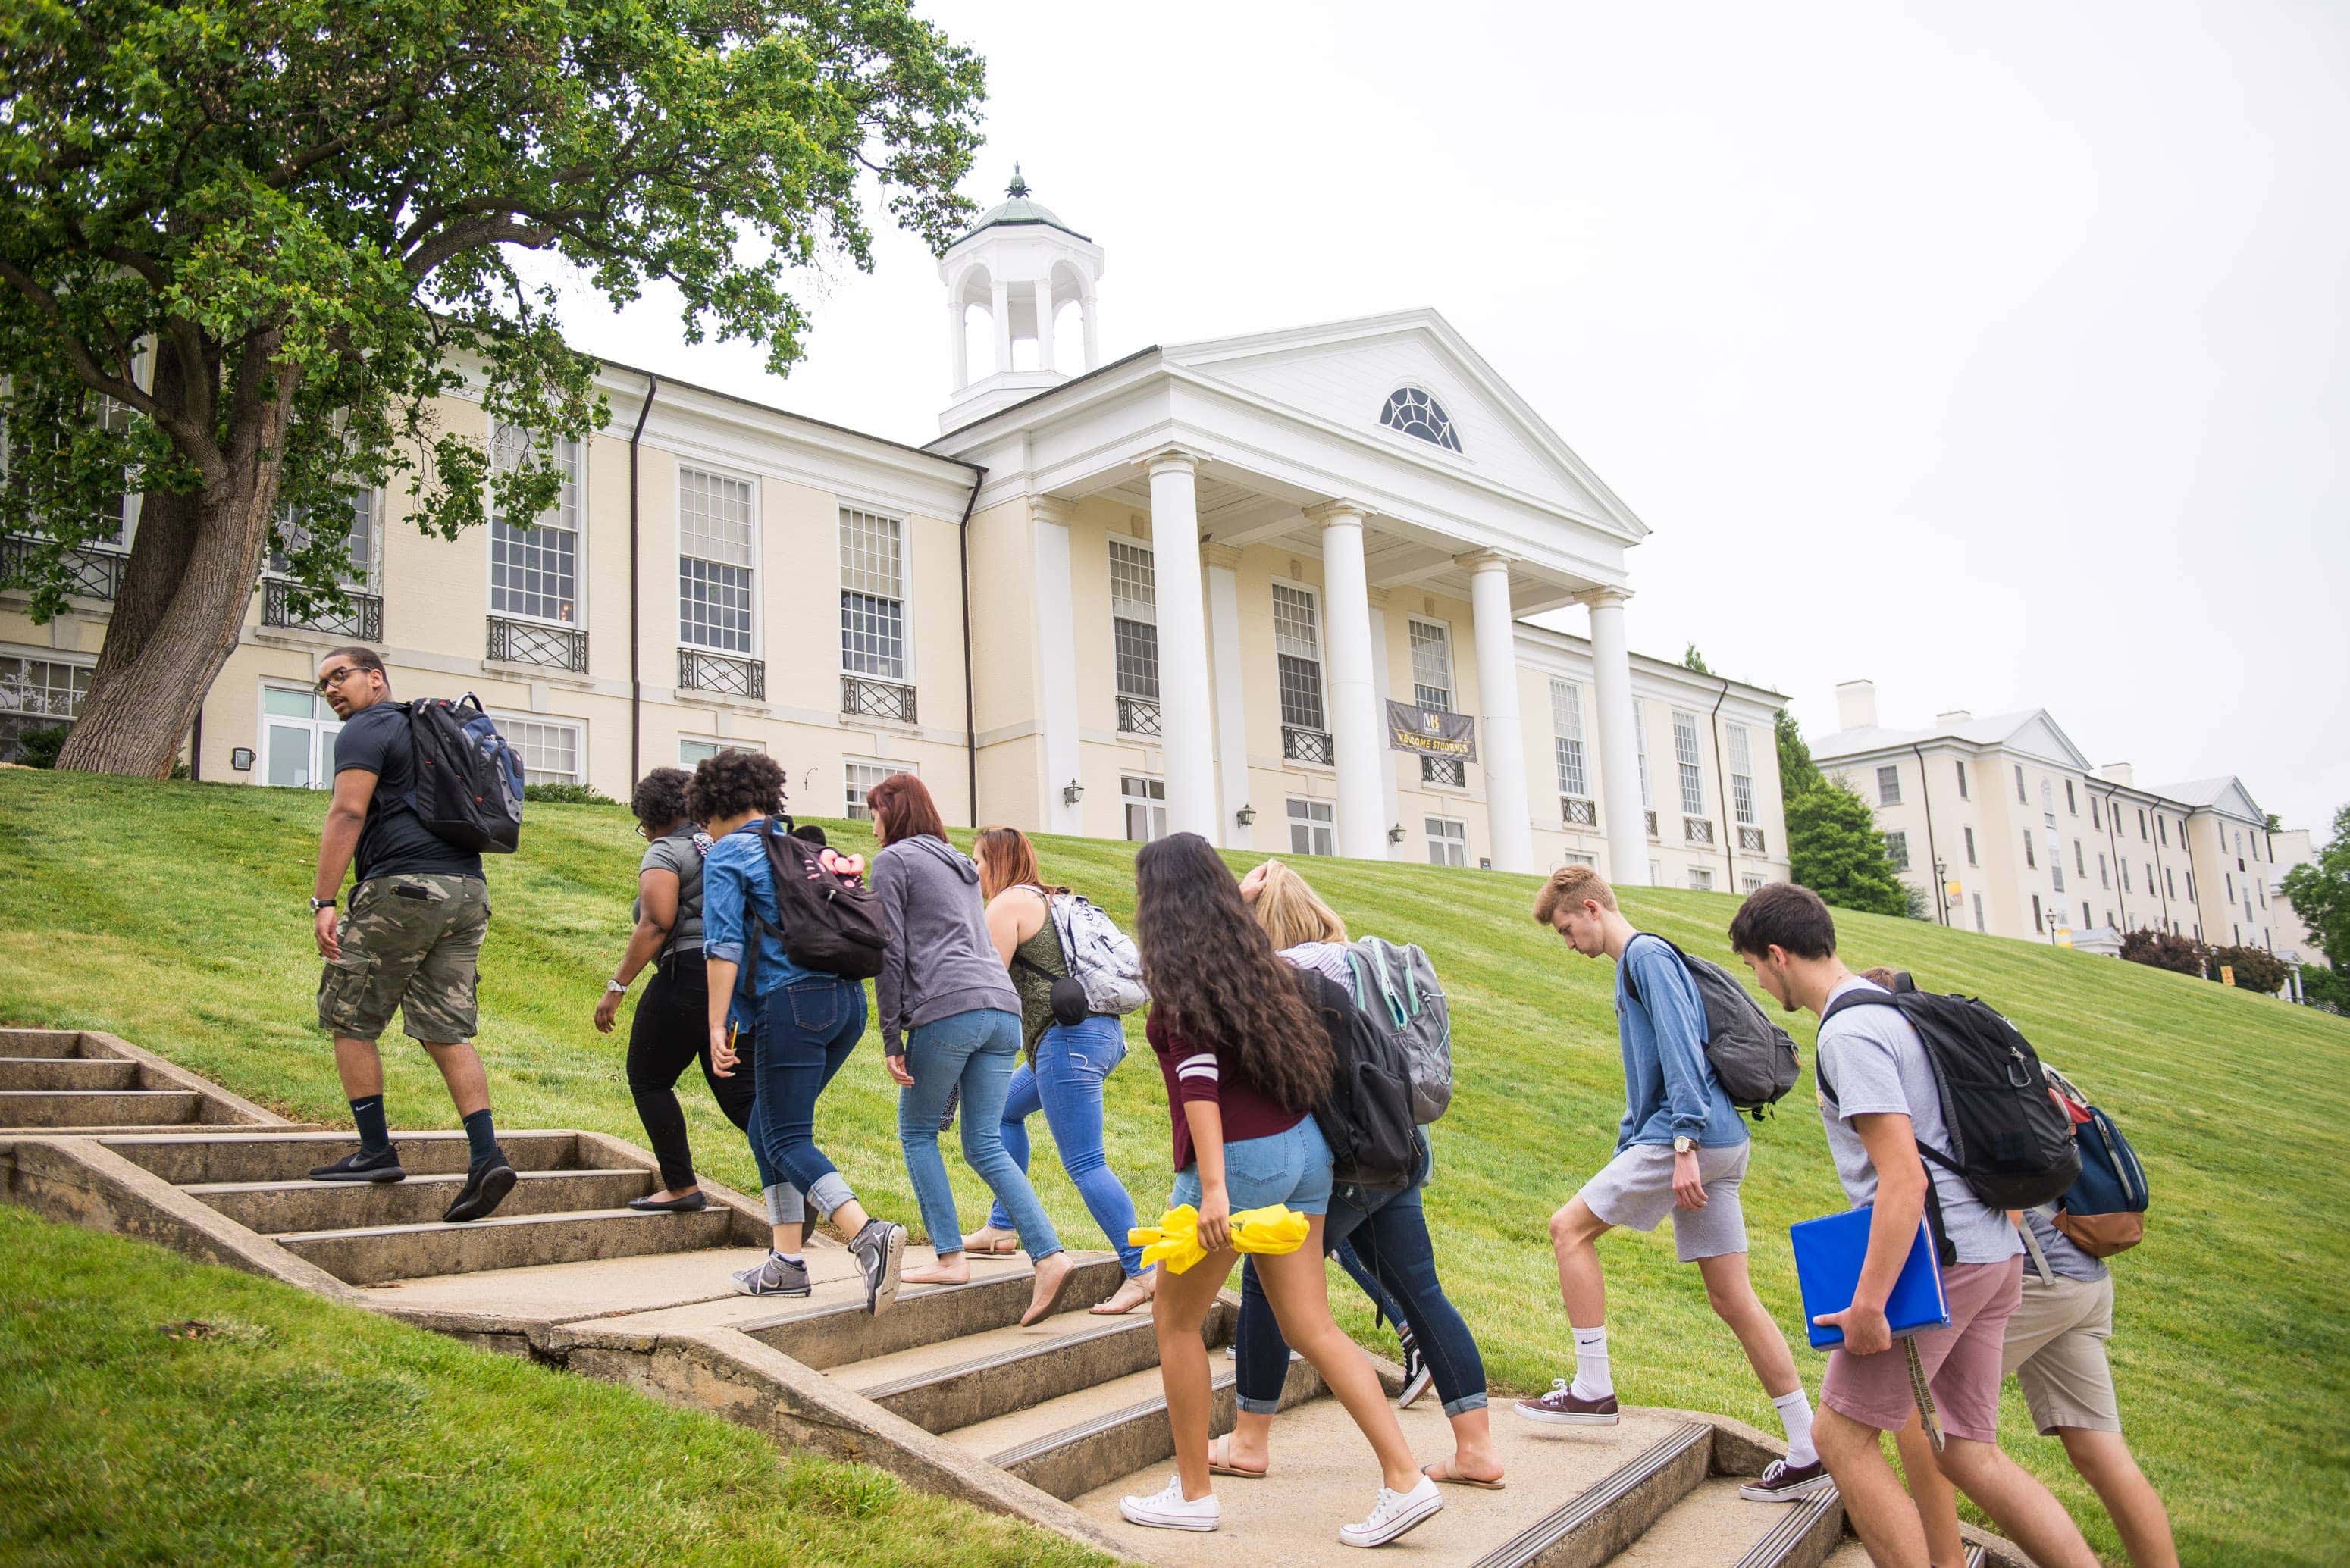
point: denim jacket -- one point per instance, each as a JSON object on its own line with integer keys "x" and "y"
{"x": 736, "y": 889}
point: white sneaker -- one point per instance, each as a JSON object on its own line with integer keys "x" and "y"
{"x": 1394, "y": 1513}
{"x": 1169, "y": 1508}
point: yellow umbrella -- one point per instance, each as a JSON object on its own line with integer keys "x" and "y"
{"x": 1174, "y": 1242}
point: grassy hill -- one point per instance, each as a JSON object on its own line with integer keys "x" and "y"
{"x": 173, "y": 914}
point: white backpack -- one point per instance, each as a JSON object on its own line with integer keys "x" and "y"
{"x": 1103, "y": 958}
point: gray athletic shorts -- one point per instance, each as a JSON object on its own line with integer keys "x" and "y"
{"x": 1636, "y": 1190}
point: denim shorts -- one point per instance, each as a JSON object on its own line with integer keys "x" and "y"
{"x": 1291, "y": 1167}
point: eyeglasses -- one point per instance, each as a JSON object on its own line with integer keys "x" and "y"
{"x": 337, "y": 676}
{"x": 643, "y": 832}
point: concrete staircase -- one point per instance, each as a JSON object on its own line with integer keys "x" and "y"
{"x": 69, "y": 1082}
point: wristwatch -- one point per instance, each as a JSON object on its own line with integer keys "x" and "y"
{"x": 319, "y": 904}
{"x": 617, "y": 986}
{"x": 1684, "y": 1144}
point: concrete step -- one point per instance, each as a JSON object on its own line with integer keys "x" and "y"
{"x": 956, "y": 1383}
{"x": 378, "y": 1253}
{"x": 650, "y": 1289}
{"x": 244, "y": 1157}
{"x": 832, "y": 1328}
{"x": 54, "y": 1108}
{"x": 1574, "y": 1495}
{"x": 277, "y": 1206}
{"x": 1713, "y": 1524}
{"x": 1851, "y": 1554}
{"x": 66, "y": 1072}
{"x": 56, "y": 1044}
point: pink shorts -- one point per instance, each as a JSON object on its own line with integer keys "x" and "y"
{"x": 1962, "y": 1362}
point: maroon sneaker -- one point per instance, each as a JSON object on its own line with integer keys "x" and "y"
{"x": 1561, "y": 1405}
{"x": 1784, "y": 1483}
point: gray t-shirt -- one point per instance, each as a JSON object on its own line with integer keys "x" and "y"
{"x": 676, "y": 853}
{"x": 1878, "y": 1066}
{"x": 2066, "y": 1261}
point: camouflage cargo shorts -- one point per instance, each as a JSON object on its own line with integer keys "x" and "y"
{"x": 413, "y": 943}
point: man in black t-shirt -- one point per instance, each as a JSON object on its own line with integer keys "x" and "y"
{"x": 412, "y": 940}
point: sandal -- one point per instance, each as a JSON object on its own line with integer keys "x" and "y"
{"x": 989, "y": 1242}
{"x": 1451, "y": 1477}
{"x": 1129, "y": 1294}
{"x": 1217, "y": 1467}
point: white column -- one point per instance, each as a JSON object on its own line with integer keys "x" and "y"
{"x": 1231, "y": 692}
{"x": 958, "y": 344}
{"x": 1044, "y": 324}
{"x": 1093, "y": 342}
{"x": 1356, "y": 732}
{"x": 1057, "y": 660}
{"x": 1000, "y": 298}
{"x": 1186, "y": 720}
{"x": 1384, "y": 687}
{"x": 1619, "y": 772}
{"x": 1503, "y": 742}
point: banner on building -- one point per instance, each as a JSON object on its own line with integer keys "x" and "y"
{"x": 1430, "y": 731}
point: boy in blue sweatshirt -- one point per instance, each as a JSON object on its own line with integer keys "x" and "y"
{"x": 1682, "y": 1150}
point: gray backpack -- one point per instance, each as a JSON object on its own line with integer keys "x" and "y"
{"x": 1754, "y": 1058}
{"x": 1100, "y": 957}
{"x": 1396, "y": 986}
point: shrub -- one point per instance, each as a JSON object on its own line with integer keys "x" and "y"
{"x": 2164, "y": 949}
{"x": 2326, "y": 988}
{"x": 567, "y": 795}
{"x": 39, "y": 748}
{"x": 2256, "y": 968}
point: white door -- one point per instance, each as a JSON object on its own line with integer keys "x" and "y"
{"x": 298, "y": 738}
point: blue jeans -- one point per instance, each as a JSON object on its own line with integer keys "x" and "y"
{"x": 1291, "y": 1167}
{"x": 1066, "y": 1083}
{"x": 1388, "y": 1233}
{"x": 805, "y": 1032}
{"x": 976, "y": 1050}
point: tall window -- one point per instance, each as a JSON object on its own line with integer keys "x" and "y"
{"x": 713, "y": 561}
{"x": 1134, "y": 623}
{"x": 1962, "y": 779}
{"x": 872, "y": 594}
{"x": 1685, "y": 755}
{"x": 2080, "y": 865}
{"x": 1431, "y": 666}
{"x": 2105, "y": 873}
{"x": 1448, "y": 841}
{"x": 1889, "y": 785}
{"x": 1979, "y": 914}
{"x": 1145, "y": 800}
{"x": 2022, "y": 798}
{"x": 2125, "y": 881}
{"x": 549, "y": 751}
{"x": 534, "y": 563}
{"x": 1312, "y": 827}
{"x": 2085, "y": 920}
{"x": 1970, "y": 847}
{"x": 1298, "y": 649}
{"x": 297, "y": 524}
{"x": 1415, "y": 413}
{"x": 2190, "y": 887}
{"x": 1566, "y": 729}
{"x": 2094, "y": 819}
{"x": 2031, "y": 856}
{"x": 858, "y": 778}
{"x": 1897, "y": 850}
{"x": 2163, "y": 828}
{"x": 2070, "y": 807}
{"x": 2141, "y": 825}
{"x": 1741, "y": 774}
{"x": 1640, "y": 755}
{"x": 2036, "y": 924}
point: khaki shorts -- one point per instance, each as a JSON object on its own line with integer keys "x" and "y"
{"x": 1635, "y": 1191}
{"x": 2056, "y": 1349}
{"x": 413, "y": 943}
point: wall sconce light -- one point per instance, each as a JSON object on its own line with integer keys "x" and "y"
{"x": 1245, "y": 815}
{"x": 1071, "y": 792}
{"x": 241, "y": 759}
{"x": 1395, "y": 834}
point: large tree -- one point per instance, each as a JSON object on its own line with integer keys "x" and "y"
{"x": 1833, "y": 845}
{"x": 2319, "y": 892}
{"x": 246, "y": 244}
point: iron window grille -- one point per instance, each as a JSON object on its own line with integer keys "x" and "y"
{"x": 1697, "y": 829}
{"x": 863, "y": 698}
{"x": 1751, "y": 838}
{"x": 1137, "y": 716}
{"x": 90, "y": 574}
{"x": 1652, "y": 823}
{"x": 722, "y": 674}
{"x": 1574, "y": 811}
{"x": 362, "y": 620}
{"x": 528, "y": 642}
{"x": 1300, "y": 744}
{"x": 1450, "y": 772}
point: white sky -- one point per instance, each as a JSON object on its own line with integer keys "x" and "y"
{"x": 1991, "y": 351}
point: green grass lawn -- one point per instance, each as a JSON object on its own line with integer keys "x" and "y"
{"x": 173, "y": 915}
{"x": 158, "y": 1410}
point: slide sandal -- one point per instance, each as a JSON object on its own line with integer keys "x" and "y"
{"x": 1217, "y": 1467}
{"x": 1449, "y": 1479}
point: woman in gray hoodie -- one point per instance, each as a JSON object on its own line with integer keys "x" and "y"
{"x": 949, "y": 1017}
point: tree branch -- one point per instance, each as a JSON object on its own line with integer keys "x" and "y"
{"x": 192, "y": 440}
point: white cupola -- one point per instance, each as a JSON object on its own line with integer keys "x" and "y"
{"x": 1024, "y": 269}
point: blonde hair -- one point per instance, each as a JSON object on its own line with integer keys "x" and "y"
{"x": 1571, "y": 884}
{"x": 1290, "y": 912}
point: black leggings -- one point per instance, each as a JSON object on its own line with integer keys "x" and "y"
{"x": 673, "y": 1029}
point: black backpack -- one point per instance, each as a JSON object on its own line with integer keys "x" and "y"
{"x": 2009, "y": 1138}
{"x": 1366, "y": 1117}
{"x": 1753, "y": 1059}
{"x": 830, "y": 924}
{"x": 468, "y": 781}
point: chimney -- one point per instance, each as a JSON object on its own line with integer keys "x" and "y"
{"x": 1955, "y": 716}
{"x": 1857, "y": 704}
{"x": 2117, "y": 773}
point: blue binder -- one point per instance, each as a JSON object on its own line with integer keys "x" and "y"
{"x": 1828, "y": 1255}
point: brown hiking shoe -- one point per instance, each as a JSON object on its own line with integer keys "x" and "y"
{"x": 1561, "y": 1405}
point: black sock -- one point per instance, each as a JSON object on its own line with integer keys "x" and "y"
{"x": 368, "y": 1112}
{"x": 483, "y": 1138}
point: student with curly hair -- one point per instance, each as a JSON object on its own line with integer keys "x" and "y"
{"x": 1240, "y": 1041}
{"x": 805, "y": 1024}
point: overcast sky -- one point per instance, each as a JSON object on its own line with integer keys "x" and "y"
{"x": 1995, "y": 352}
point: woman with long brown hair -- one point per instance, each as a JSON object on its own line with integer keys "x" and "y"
{"x": 949, "y": 1019}
{"x": 1066, "y": 1062}
{"x": 1246, "y": 1060}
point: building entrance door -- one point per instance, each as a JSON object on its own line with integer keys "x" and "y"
{"x": 298, "y": 738}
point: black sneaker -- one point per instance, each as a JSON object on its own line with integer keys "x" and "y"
{"x": 362, "y": 1166}
{"x": 485, "y": 1187}
{"x": 1563, "y": 1406}
{"x": 1782, "y": 1483}
{"x": 1417, "y": 1375}
{"x": 880, "y": 1249}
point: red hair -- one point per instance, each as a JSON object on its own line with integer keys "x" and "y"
{"x": 903, "y": 808}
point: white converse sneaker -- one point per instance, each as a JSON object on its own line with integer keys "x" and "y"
{"x": 1394, "y": 1513}
{"x": 1169, "y": 1508}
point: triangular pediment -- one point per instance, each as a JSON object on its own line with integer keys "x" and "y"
{"x": 1343, "y": 374}
{"x": 2038, "y": 737}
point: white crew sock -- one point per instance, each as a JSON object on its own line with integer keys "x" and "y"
{"x": 1591, "y": 1378}
{"x": 799, "y": 1259}
{"x": 1795, "y": 1415}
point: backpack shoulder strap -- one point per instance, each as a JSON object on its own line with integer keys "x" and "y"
{"x": 1633, "y": 985}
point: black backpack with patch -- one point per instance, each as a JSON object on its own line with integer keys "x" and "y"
{"x": 468, "y": 779}
{"x": 1753, "y": 1058}
{"x": 1367, "y": 1117}
{"x": 831, "y": 923}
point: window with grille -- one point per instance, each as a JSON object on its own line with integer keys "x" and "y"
{"x": 549, "y": 751}
{"x": 1897, "y": 850}
{"x": 1297, "y": 647}
{"x": 1134, "y": 620}
{"x": 1145, "y": 800}
{"x": 297, "y": 526}
{"x": 872, "y": 594}
{"x": 1749, "y": 884}
{"x": 535, "y": 564}
{"x": 1431, "y": 666}
{"x": 1700, "y": 879}
{"x": 1889, "y": 785}
{"x": 691, "y": 751}
{"x": 1685, "y": 756}
{"x": 1448, "y": 841}
{"x": 1312, "y": 827}
{"x": 1566, "y": 727}
{"x": 1415, "y": 413}
{"x": 1640, "y": 755}
{"x": 47, "y": 688}
{"x": 714, "y": 561}
{"x": 861, "y": 777}
{"x": 1741, "y": 774}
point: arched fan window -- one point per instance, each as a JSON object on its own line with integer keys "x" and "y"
{"x": 1414, "y": 412}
